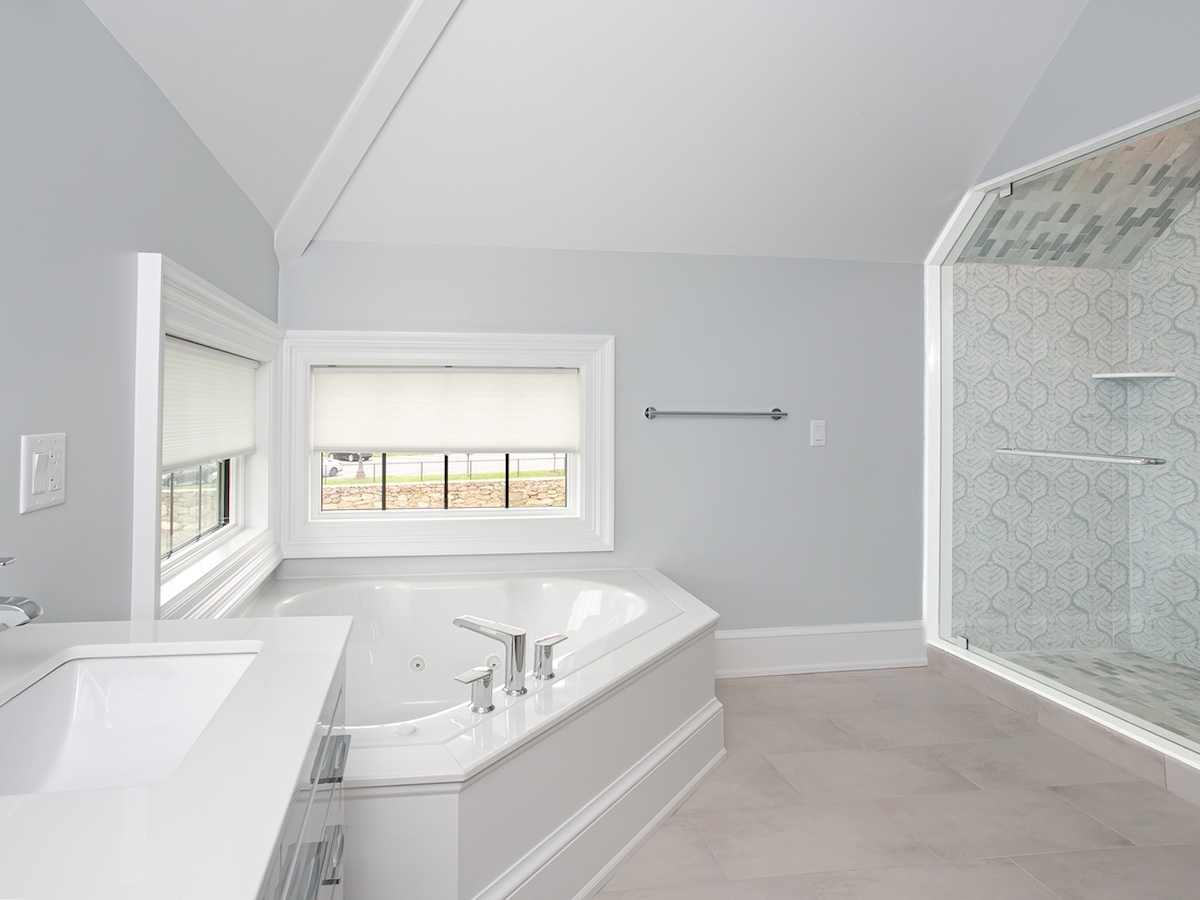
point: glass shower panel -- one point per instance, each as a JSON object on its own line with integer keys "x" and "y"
{"x": 1040, "y": 546}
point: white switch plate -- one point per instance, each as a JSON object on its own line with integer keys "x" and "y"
{"x": 43, "y": 471}
{"x": 816, "y": 433}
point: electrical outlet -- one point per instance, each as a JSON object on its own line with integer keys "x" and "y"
{"x": 43, "y": 471}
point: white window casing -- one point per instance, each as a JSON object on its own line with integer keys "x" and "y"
{"x": 398, "y": 392}
{"x": 176, "y": 309}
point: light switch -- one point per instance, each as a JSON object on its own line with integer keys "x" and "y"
{"x": 43, "y": 471}
{"x": 816, "y": 433}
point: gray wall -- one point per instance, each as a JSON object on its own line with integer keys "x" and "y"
{"x": 744, "y": 514}
{"x": 1123, "y": 60}
{"x": 96, "y": 166}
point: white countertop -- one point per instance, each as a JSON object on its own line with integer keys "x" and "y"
{"x": 207, "y": 831}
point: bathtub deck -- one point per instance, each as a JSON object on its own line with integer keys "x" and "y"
{"x": 903, "y": 784}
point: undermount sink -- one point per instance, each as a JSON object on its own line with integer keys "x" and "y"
{"x": 109, "y": 722}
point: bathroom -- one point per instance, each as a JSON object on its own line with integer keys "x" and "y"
{"x": 739, "y": 267}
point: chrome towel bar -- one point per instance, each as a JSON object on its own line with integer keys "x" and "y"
{"x": 1087, "y": 457}
{"x": 652, "y": 413}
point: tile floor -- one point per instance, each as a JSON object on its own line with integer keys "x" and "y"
{"x": 901, "y": 784}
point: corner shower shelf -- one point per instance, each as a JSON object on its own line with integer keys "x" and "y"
{"x": 1130, "y": 376}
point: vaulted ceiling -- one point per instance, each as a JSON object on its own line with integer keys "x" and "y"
{"x": 844, "y": 129}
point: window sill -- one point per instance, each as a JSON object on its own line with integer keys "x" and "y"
{"x": 211, "y": 584}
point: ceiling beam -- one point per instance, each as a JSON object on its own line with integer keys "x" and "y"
{"x": 407, "y": 48}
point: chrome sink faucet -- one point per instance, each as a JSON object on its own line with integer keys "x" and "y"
{"x": 16, "y": 611}
{"x": 513, "y": 640}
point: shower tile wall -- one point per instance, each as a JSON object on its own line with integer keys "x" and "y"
{"x": 1164, "y": 506}
{"x": 1040, "y": 547}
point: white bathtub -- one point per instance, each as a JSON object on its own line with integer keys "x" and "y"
{"x": 545, "y": 796}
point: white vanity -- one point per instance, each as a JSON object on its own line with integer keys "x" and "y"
{"x": 180, "y": 759}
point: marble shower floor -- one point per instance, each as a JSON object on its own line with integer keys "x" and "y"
{"x": 902, "y": 784}
{"x": 1154, "y": 690}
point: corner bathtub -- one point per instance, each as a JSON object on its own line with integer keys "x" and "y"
{"x": 551, "y": 792}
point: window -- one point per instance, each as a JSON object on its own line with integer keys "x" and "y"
{"x": 448, "y": 444}
{"x": 195, "y": 504}
{"x": 206, "y": 419}
{"x": 443, "y": 481}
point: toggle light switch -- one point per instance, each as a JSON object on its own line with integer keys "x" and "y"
{"x": 43, "y": 471}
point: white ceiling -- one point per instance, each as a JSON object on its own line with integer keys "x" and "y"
{"x": 826, "y": 128}
{"x": 844, "y": 129}
{"x": 263, "y": 83}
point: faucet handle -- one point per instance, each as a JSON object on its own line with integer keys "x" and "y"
{"x": 480, "y": 680}
{"x": 7, "y": 560}
{"x": 543, "y": 654}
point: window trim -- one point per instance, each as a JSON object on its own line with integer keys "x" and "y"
{"x": 210, "y": 581}
{"x": 585, "y": 525}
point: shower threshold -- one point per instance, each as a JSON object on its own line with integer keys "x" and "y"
{"x": 1156, "y": 694}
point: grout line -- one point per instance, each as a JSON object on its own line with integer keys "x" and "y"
{"x": 1036, "y": 880}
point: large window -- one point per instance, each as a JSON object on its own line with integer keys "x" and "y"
{"x": 448, "y": 444}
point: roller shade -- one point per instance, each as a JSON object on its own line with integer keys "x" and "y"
{"x": 445, "y": 410}
{"x": 208, "y": 405}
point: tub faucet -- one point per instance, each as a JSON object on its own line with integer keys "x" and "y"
{"x": 16, "y": 611}
{"x": 513, "y": 640}
{"x": 480, "y": 680}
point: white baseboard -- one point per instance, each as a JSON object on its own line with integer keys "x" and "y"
{"x": 821, "y": 648}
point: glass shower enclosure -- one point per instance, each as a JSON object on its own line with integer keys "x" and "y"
{"x": 1073, "y": 521}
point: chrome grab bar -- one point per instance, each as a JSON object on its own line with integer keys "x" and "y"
{"x": 1087, "y": 457}
{"x": 652, "y": 413}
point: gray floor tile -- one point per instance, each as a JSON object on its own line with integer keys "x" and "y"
{"x": 782, "y": 731}
{"x": 1046, "y": 759}
{"x": 1138, "y": 810}
{"x": 1160, "y": 873}
{"x": 926, "y": 690}
{"x": 790, "y": 887}
{"x": 675, "y": 855}
{"x": 983, "y": 824}
{"x": 992, "y": 879}
{"x": 793, "y": 840}
{"x": 838, "y": 775}
{"x": 1005, "y": 719}
{"x": 741, "y": 694}
{"x": 742, "y": 782}
{"x": 913, "y": 726}
{"x": 809, "y": 695}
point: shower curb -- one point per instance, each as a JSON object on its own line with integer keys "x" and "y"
{"x": 1137, "y": 757}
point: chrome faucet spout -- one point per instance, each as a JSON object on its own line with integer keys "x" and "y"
{"x": 16, "y": 611}
{"x": 513, "y": 640}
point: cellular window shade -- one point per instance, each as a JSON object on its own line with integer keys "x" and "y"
{"x": 208, "y": 405}
{"x": 445, "y": 411}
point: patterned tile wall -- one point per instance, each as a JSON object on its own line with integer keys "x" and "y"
{"x": 1164, "y": 502}
{"x": 1040, "y": 546}
{"x": 1101, "y": 212}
